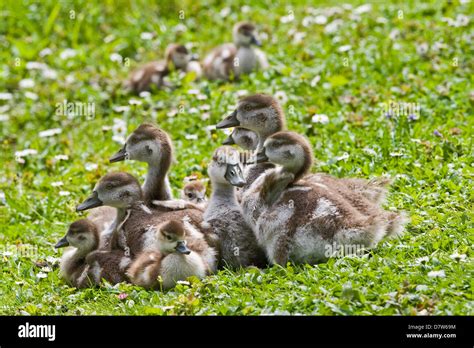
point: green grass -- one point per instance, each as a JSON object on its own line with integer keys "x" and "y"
{"x": 433, "y": 170}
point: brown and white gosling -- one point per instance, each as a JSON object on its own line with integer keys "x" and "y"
{"x": 153, "y": 74}
{"x": 297, "y": 220}
{"x": 238, "y": 246}
{"x": 195, "y": 192}
{"x": 233, "y": 59}
{"x": 133, "y": 228}
{"x": 118, "y": 190}
{"x": 84, "y": 266}
{"x": 153, "y": 146}
{"x": 172, "y": 259}
{"x": 243, "y": 138}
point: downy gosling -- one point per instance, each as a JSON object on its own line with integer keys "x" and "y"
{"x": 133, "y": 228}
{"x": 153, "y": 146}
{"x": 154, "y": 73}
{"x": 171, "y": 260}
{"x": 82, "y": 265}
{"x": 298, "y": 220}
{"x": 195, "y": 192}
{"x": 233, "y": 59}
{"x": 238, "y": 246}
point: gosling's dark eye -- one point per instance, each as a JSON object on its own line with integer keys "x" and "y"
{"x": 168, "y": 238}
{"x": 81, "y": 237}
{"x": 190, "y": 195}
{"x": 109, "y": 186}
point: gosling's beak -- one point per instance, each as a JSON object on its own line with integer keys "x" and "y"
{"x": 229, "y": 121}
{"x": 91, "y": 202}
{"x": 228, "y": 141}
{"x": 255, "y": 41}
{"x": 262, "y": 157}
{"x": 234, "y": 176}
{"x": 62, "y": 243}
{"x": 194, "y": 57}
{"x": 182, "y": 248}
{"x": 119, "y": 156}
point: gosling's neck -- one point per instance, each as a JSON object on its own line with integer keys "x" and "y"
{"x": 223, "y": 196}
{"x": 81, "y": 252}
{"x": 119, "y": 217}
{"x": 157, "y": 186}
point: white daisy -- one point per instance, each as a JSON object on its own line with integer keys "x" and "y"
{"x": 36, "y": 66}
{"x": 26, "y": 83}
{"x": 344, "y": 48}
{"x": 31, "y": 95}
{"x": 458, "y": 257}
{"x": 225, "y": 12}
{"x": 315, "y": 81}
{"x": 320, "y": 118}
{"x": 49, "y": 74}
{"x": 50, "y": 132}
{"x": 437, "y": 274}
{"x": 461, "y": 20}
{"x": 135, "y": 102}
{"x": 146, "y": 36}
{"x": 334, "y": 26}
{"x": 363, "y": 9}
{"x": 321, "y": 20}
{"x": 6, "y": 96}
{"x": 67, "y": 53}
{"x": 144, "y": 94}
{"x": 115, "y": 57}
{"x": 26, "y": 152}
{"x": 91, "y": 166}
{"x": 422, "y": 48}
{"x": 45, "y": 52}
{"x": 61, "y": 157}
{"x": 281, "y": 97}
{"x": 120, "y": 108}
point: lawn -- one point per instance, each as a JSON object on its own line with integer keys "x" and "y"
{"x": 379, "y": 89}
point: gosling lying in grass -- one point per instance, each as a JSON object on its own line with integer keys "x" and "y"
{"x": 169, "y": 259}
{"x": 83, "y": 265}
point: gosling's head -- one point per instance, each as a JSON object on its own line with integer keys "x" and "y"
{"x": 82, "y": 234}
{"x": 225, "y": 167}
{"x": 118, "y": 190}
{"x": 244, "y": 138}
{"x": 194, "y": 192}
{"x": 244, "y": 34}
{"x": 178, "y": 55}
{"x": 260, "y": 113}
{"x": 290, "y": 150}
{"x": 171, "y": 238}
{"x": 149, "y": 144}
